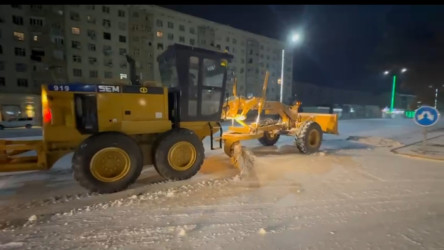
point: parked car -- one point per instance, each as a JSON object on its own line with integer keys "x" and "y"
{"x": 26, "y": 122}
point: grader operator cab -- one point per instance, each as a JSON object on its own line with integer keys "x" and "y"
{"x": 114, "y": 130}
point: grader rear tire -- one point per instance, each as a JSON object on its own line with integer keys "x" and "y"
{"x": 107, "y": 162}
{"x": 310, "y": 138}
{"x": 179, "y": 154}
{"x": 269, "y": 139}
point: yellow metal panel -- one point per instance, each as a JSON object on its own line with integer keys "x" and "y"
{"x": 144, "y": 107}
{"x": 328, "y": 122}
{"x": 145, "y": 127}
{"x": 109, "y": 111}
{"x": 202, "y": 129}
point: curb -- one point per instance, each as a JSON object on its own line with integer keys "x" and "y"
{"x": 395, "y": 151}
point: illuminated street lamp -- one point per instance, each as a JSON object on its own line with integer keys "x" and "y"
{"x": 436, "y": 92}
{"x": 295, "y": 38}
{"x": 392, "y": 101}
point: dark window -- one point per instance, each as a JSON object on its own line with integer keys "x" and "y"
{"x": 17, "y": 20}
{"x": 106, "y": 36}
{"x": 106, "y": 23}
{"x": 75, "y": 45}
{"x": 20, "y": 67}
{"x": 181, "y": 28}
{"x": 121, "y": 13}
{"x": 2, "y": 81}
{"x": 170, "y": 25}
{"x": 77, "y": 72}
{"x": 91, "y": 47}
{"x": 160, "y": 46}
{"x": 20, "y": 51}
{"x": 86, "y": 113}
{"x": 22, "y": 82}
{"x": 122, "y": 39}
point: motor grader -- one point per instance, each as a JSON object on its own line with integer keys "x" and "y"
{"x": 114, "y": 130}
{"x": 307, "y": 128}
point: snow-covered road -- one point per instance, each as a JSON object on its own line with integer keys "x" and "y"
{"x": 351, "y": 195}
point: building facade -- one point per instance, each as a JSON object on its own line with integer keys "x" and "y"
{"x": 99, "y": 43}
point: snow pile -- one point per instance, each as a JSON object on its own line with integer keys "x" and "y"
{"x": 262, "y": 231}
{"x": 375, "y": 141}
{"x": 32, "y": 218}
{"x": 11, "y": 245}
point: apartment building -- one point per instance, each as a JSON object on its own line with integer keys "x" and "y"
{"x": 153, "y": 29}
{"x": 95, "y": 43}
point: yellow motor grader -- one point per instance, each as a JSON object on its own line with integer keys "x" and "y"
{"x": 307, "y": 128}
{"x": 114, "y": 130}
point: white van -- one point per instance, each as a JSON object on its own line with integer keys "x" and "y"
{"x": 26, "y": 122}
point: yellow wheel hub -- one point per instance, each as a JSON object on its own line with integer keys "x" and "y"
{"x": 314, "y": 138}
{"x": 110, "y": 164}
{"x": 182, "y": 156}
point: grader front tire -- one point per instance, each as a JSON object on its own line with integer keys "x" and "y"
{"x": 107, "y": 162}
{"x": 179, "y": 154}
{"x": 310, "y": 138}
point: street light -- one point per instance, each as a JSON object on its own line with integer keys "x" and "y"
{"x": 436, "y": 92}
{"x": 392, "y": 101}
{"x": 294, "y": 38}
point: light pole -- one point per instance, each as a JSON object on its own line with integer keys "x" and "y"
{"x": 392, "y": 101}
{"x": 295, "y": 38}
{"x": 436, "y": 93}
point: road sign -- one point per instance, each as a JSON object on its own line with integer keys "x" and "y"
{"x": 426, "y": 116}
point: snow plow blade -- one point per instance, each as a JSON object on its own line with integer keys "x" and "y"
{"x": 12, "y": 160}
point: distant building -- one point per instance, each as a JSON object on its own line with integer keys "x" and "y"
{"x": 90, "y": 43}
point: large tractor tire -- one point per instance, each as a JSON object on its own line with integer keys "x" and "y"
{"x": 269, "y": 138}
{"x": 178, "y": 154}
{"x": 310, "y": 138}
{"x": 107, "y": 162}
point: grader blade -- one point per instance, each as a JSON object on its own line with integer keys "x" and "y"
{"x": 243, "y": 159}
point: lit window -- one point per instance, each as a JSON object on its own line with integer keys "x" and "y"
{"x": 123, "y": 76}
{"x": 75, "y": 30}
{"x": 19, "y": 36}
{"x": 35, "y": 38}
{"x": 159, "y": 34}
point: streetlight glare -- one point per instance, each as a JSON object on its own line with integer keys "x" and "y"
{"x": 403, "y": 70}
{"x": 386, "y": 72}
{"x": 295, "y": 37}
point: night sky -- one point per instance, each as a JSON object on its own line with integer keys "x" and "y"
{"x": 345, "y": 46}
